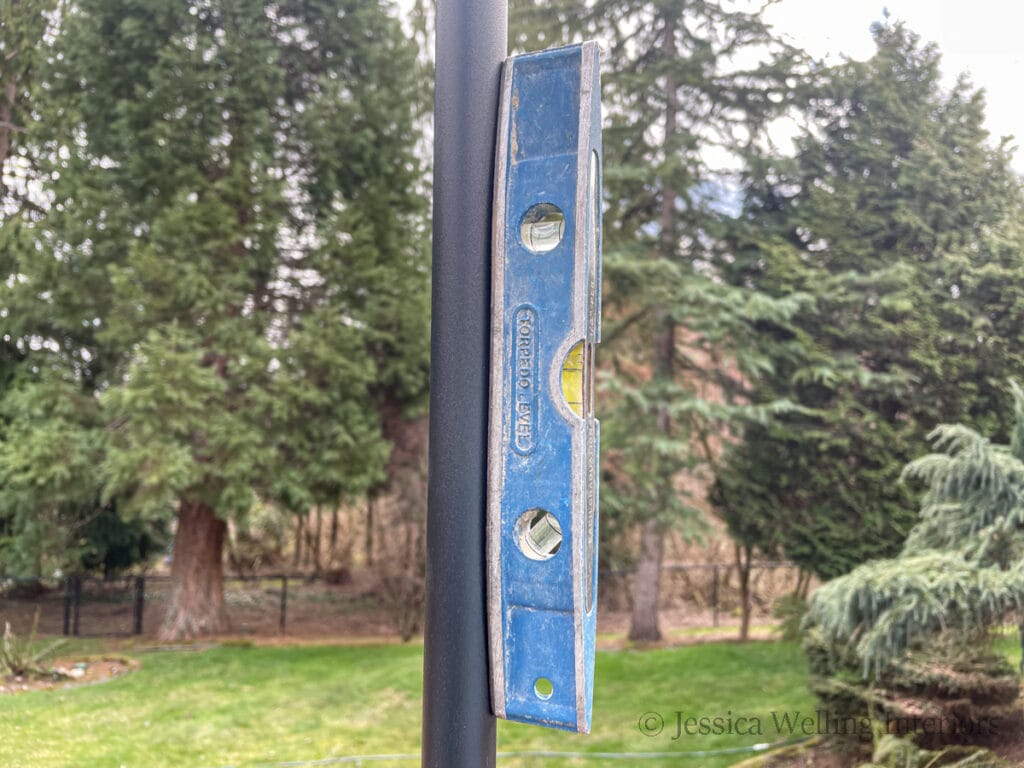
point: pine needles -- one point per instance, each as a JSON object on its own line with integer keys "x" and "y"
{"x": 962, "y": 568}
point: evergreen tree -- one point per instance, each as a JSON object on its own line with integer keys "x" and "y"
{"x": 688, "y": 88}
{"x": 23, "y": 28}
{"x": 961, "y": 570}
{"x": 894, "y": 216}
{"x": 21, "y": 46}
{"x": 920, "y": 624}
{"x": 678, "y": 101}
{"x": 232, "y": 265}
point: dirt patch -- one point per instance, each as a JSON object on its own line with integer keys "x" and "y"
{"x": 70, "y": 673}
{"x": 818, "y": 756}
{"x": 1014, "y": 752}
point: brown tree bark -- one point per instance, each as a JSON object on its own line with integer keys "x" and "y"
{"x": 803, "y": 583}
{"x": 313, "y": 543}
{"x": 396, "y": 515}
{"x": 647, "y": 584}
{"x": 300, "y": 526}
{"x": 644, "y": 625}
{"x": 197, "y": 575}
{"x": 371, "y": 501}
{"x": 333, "y": 545}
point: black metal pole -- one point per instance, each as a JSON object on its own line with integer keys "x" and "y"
{"x": 471, "y": 43}
{"x": 140, "y": 603}
{"x": 68, "y": 596}
{"x": 77, "y": 605}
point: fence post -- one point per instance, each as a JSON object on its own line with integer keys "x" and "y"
{"x": 68, "y": 597}
{"x": 77, "y": 605}
{"x": 140, "y": 602}
{"x": 714, "y": 595}
{"x": 284, "y": 604}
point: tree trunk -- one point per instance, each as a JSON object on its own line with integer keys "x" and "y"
{"x": 371, "y": 499}
{"x": 307, "y": 548}
{"x": 395, "y": 519}
{"x": 313, "y": 543}
{"x": 743, "y": 558}
{"x": 333, "y": 546}
{"x": 299, "y": 528}
{"x": 803, "y": 583}
{"x": 197, "y": 575}
{"x": 647, "y": 584}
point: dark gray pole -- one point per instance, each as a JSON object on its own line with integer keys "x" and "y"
{"x": 471, "y": 43}
{"x": 139, "y": 604}
{"x": 68, "y": 598}
{"x": 77, "y": 607}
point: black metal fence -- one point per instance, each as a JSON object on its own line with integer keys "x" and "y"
{"x": 267, "y": 605}
{"x": 701, "y": 594}
{"x": 692, "y": 595}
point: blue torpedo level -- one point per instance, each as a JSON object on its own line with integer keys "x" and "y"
{"x": 543, "y": 449}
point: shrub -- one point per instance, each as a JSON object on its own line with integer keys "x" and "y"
{"x": 909, "y": 636}
{"x": 23, "y": 657}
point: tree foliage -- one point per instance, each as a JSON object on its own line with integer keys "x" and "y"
{"x": 899, "y": 221}
{"x": 691, "y": 89}
{"x": 232, "y": 264}
{"x": 912, "y": 634}
{"x": 961, "y": 571}
{"x": 688, "y": 89}
{"x": 24, "y": 25}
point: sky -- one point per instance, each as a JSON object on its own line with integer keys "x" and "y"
{"x": 981, "y": 38}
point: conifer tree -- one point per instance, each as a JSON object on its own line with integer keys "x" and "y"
{"x": 21, "y": 48}
{"x": 919, "y": 624}
{"x": 678, "y": 102}
{"x": 23, "y": 28}
{"x": 891, "y": 216}
{"x": 688, "y": 88}
{"x": 232, "y": 264}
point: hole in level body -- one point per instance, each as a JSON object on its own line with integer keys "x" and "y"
{"x": 543, "y": 688}
{"x": 538, "y": 534}
{"x": 542, "y": 227}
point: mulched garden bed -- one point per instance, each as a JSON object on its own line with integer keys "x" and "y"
{"x": 70, "y": 673}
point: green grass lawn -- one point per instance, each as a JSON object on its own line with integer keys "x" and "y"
{"x": 238, "y": 706}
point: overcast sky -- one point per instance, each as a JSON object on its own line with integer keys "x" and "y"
{"x": 982, "y": 38}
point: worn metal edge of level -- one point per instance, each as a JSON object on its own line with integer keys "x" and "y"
{"x": 585, "y": 433}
